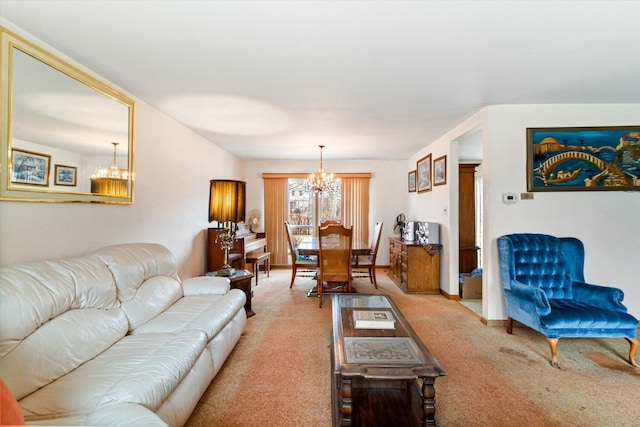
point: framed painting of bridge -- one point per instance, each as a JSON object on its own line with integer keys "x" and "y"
{"x": 583, "y": 159}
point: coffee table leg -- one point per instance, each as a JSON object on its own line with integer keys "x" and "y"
{"x": 428, "y": 402}
{"x": 345, "y": 401}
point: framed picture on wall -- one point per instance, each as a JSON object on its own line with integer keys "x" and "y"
{"x": 440, "y": 171}
{"x": 412, "y": 182}
{"x": 423, "y": 168}
{"x": 583, "y": 158}
{"x": 66, "y": 175}
{"x": 30, "y": 168}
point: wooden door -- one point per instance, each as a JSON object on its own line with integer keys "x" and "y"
{"x": 468, "y": 250}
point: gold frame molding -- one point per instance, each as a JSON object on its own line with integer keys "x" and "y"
{"x": 9, "y": 44}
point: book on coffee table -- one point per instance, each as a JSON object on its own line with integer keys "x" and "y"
{"x": 373, "y": 319}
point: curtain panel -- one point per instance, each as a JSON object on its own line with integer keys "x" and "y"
{"x": 275, "y": 213}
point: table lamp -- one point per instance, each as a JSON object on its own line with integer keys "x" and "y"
{"x": 226, "y": 207}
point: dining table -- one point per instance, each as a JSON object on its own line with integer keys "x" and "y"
{"x": 309, "y": 247}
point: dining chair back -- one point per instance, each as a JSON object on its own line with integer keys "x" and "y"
{"x": 334, "y": 261}
{"x": 300, "y": 266}
{"x": 369, "y": 263}
{"x": 329, "y": 222}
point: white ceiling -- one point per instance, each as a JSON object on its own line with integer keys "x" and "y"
{"x": 368, "y": 79}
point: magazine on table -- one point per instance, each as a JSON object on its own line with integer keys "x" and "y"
{"x": 373, "y": 319}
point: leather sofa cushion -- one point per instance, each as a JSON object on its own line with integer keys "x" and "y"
{"x": 152, "y": 297}
{"x": 31, "y": 294}
{"x": 54, "y": 316}
{"x": 207, "y": 313}
{"x": 133, "y": 264}
{"x": 143, "y": 369}
{"x": 146, "y": 278}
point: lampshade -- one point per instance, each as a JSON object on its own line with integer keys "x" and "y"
{"x": 227, "y": 200}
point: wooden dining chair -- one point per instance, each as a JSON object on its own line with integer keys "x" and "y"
{"x": 329, "y": 222}
{"x": 334, "y": 260}
{"x": 368, "y": 262}
{"x": 298, "y": 264}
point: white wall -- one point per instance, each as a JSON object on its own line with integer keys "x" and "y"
{"x": 440, "y": 205}
{"x": 606, "y": 221}
{"x": 387, "y": 188}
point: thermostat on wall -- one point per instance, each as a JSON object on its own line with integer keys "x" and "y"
{"x": 509, "y": 198}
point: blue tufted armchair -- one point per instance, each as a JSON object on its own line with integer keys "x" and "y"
{"x": 544, "y": 289}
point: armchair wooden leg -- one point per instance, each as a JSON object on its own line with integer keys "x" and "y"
{"x": 632, "y": 351}
{"x": 509, "y": 325}
{"x": 553, "y": 342}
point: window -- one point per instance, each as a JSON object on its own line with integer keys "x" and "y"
{"x": 284, "y": 200}
{"x": 302, "y": 208}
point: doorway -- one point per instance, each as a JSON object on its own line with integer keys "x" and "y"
{"x": 470, "y": 221}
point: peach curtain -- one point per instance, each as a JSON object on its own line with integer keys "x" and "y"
{"x": 275, "y": 213}
{"x": 355, "y": 205}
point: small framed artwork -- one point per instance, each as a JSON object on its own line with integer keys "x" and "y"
{"x": 583, "y": 158}
{"x": 29, "y": 168}
{"x": 423, "y": 168}
{"x": 440, "y": 171}
{"x": 66, "y": 175}
{"x": 412, "y": 182}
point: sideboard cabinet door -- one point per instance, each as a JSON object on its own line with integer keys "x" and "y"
{"x": 415, "y": 268}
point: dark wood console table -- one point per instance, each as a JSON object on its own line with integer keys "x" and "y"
{"x": 379, "y": 377}
{"x": 241, "y": 279}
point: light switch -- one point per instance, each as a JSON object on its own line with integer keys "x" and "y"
{"x": 509, "y": 198}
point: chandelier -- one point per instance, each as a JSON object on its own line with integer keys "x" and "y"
{"x": 114, "y": 171}
{"x": 321, "y": 181}
{"x": 112, "y": 181}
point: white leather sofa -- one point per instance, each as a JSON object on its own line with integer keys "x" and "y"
{"x": 113, "y": 337}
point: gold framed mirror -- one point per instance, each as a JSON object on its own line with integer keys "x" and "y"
{"x": 65, "y": 136}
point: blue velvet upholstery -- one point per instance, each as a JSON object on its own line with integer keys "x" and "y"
{"x": 544, "y": 289}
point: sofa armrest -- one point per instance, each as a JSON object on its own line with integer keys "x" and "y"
{"x": 125, "y": 414}
{"x": 599, "y": 296}
{"x": 206, "y": 285}
{"x": 529, "y": 298}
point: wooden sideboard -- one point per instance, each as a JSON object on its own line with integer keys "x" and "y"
{"x": 415, "y": 268}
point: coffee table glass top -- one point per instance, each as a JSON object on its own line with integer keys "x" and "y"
{"x": 365, "y": 301}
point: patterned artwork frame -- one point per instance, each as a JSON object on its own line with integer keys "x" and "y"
{"x": 583, "y": 158}
{"x": 66, "y": 175}
{"x": 30, "y": 168}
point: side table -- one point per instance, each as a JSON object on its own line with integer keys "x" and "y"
{"x": 241, "y": 279}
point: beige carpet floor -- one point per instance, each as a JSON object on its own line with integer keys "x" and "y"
{"x": 279, "y": 373}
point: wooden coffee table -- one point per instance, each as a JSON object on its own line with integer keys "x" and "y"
{"x": 380, "y": 377}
